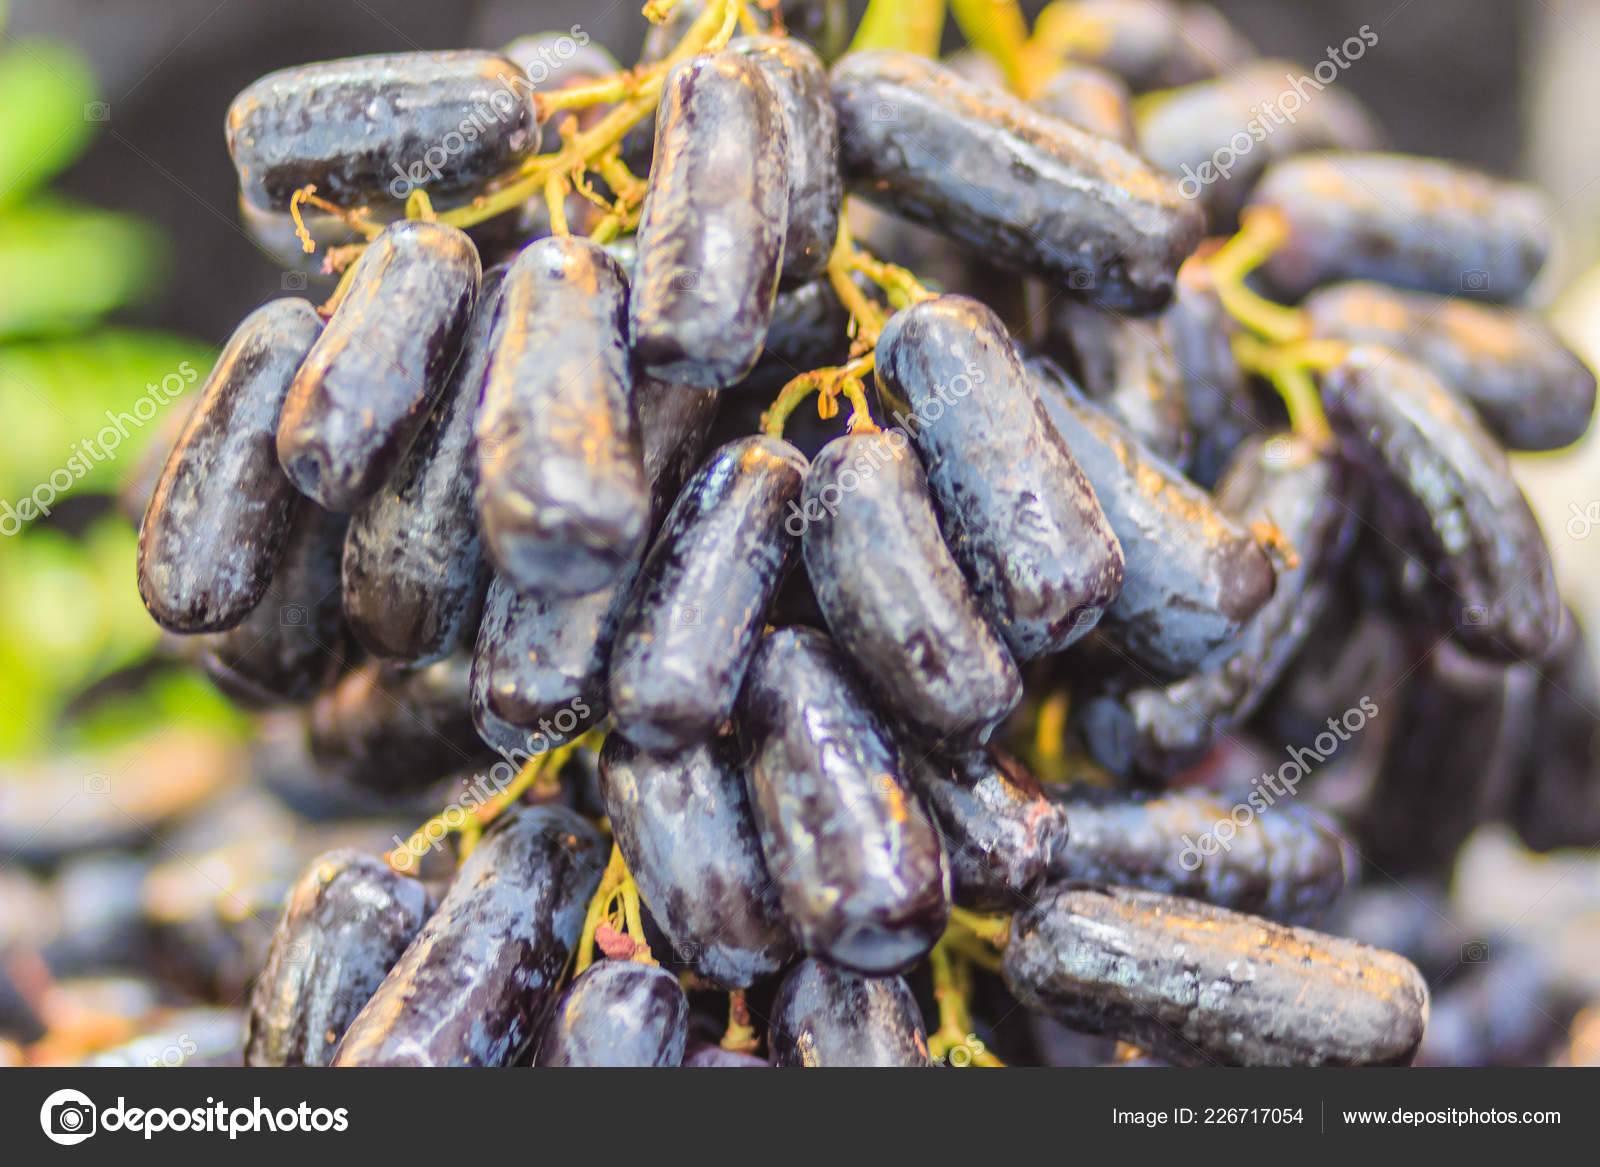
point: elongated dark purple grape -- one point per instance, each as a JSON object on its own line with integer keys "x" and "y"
{"x": 1092, "y": 99}
{"x": 539, "y": 670}
{"x": 1462, "y": 736}
{"x": 674, "y": 422}
{"x": 414, "y": 572}
{"x": 857, "y": 861}
{"x": 1015, "y": 507}
{"x": 1286, "y": 862}
{"x": 1224, "y": 408}
{"x": 1013, "y": 183}
{"x": 1557, "y": 800}
{"x": 562, "y": 495}
{"x": 1199, "y": 985}
{"x": 1530, "y": 389}
{"x": 1442, "y": 483}
{"x": 618, "y": 1013}
{"x": 998, "y": 827}
{"x": 1280, "y": 108}
{"x": 1415, "y": 223}
{"x": 476, "y": 984}
{"x": 380, "y": 364}
{"x": 1151, "y": 44}
{"x": 711, "y": 233}
{"x": 816, "y": 193}
{"x": 1128, "y": 367}
{"x": 295, "y": 641}
{"x": 825, "y": 1016}
{"x": 1194, "y": 576}
{"x": 892, "y": 593}
{"x": 697, "y": 608}
{"x": 370, "y": 129}
{"x": 397, "y": 730}
{"x": 344, "y": 926}
{"x": 220, "y": 512}
{"x": 683, "y": 823}
{"x": 1157, "y": 731}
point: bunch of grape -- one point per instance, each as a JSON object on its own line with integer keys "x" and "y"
{"x": 927, "y": 690}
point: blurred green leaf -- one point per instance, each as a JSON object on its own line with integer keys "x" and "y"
{"x": 69, "y": 266}
{"x": 47, "y": 108}
{"x": 913, "y": 25}
{"x": 85, "y": 407}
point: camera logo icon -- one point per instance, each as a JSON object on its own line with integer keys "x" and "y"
{"x": 68, "y": 1117}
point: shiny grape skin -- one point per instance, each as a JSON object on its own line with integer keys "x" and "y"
{"x": 1287, "y": 864}
{"x": 380, "y": 364}
{"x": 295, "y": 642}
{"x": 476, "y": 984}
{"x": 396, "y": 730}
{"x": 1194, "y": 576}
{"x": 344, "y": 926}
{"x": 1199, "y": 985}
{"x": 1531, "y": 390}
{"x": 338, "y": 124}
{"x": 1014, "y": 505}
{"x": 1128, "y": 366}
{"x": 618, "y": 1013}
{"x": 683, "y": 823}
{"x": 834, "y": 812}
{"x": 1091, "y": 99}
{"x": 562, "y": 496}
{"x": 221, "y": 510}
{"x": 826, "y": 1017}
{"x": 414, "y": 574}
{"x": 540, "y": 661}
{"x": 893, "y": 595}
{"x": 1443, "y": 485}
{"x": 999, "y": 829}
{"x": 816, "y": 192}
{"x": 1414, "y": 223}
{"x": 710, "y": 239}
{"x": 1189, "y": 132}
{"x": 1010, "y": 182}
{"x": 539, "y": 669}
{"x": 691, "y": 626}
{"x": 1156, "y": 731}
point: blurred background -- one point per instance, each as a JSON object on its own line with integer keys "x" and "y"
{"x": 123, "y": 265}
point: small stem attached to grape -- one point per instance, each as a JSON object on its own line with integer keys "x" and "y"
{"x": 954, "y": 1041}
{"x": 1261, "y": 232}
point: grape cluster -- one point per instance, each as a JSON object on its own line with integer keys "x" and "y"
{"x": 913, "y": 696}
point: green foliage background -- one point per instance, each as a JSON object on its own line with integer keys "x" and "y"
{"x": 69, "y": 608}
